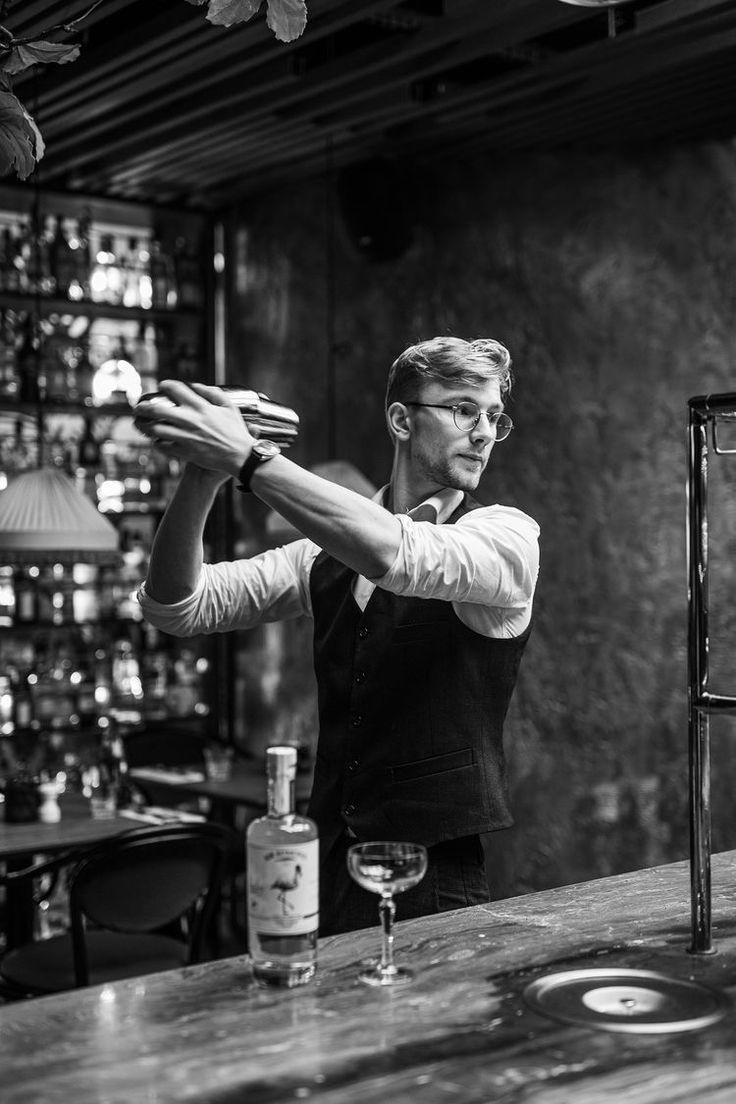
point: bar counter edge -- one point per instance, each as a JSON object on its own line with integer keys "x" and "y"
{"x": 462, "y": 1031}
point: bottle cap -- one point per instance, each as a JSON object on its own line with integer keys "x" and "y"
{"x": 282, "y": 759}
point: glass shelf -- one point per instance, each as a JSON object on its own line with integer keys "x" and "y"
{"x": 51, "y": 305}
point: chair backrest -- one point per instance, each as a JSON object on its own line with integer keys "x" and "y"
{"x": 145, "y": 879}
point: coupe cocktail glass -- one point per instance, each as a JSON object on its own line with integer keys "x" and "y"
{"x": 387, "y": 868}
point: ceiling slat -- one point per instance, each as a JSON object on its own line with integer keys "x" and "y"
{"x": 162, "y": 106}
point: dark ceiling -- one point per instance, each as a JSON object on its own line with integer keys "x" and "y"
{"x": 163, "y": 107}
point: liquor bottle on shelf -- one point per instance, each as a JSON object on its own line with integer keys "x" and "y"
{"x": 63, "y": 260}
{"x": 84, "y": 370}
{"x": 7, "y": 596}
{"x": 4, "y": 258}
{"x": 54, "y": 371}
{"x": 103, "y": 690}
{"x": 9, "y": 374}
{"x": 112, "y": 762}
{"x": 30, "y": 364}
{"x": 69, "y": 356}
{"x": 147, "y": 357}
{"x": 104, "y": 777}
{"x": 41, "y": 279}
{"x": 283, "y": 882}
{"x": 88, "y": 460}
{"x": 187, "y": 366}
{"x": 155, "y": 675}
{"x": 19, "y": 258}
{"x": 106, "y": 281}
{"x": 86, "y": 705}
{"x": 46, "y": 275}
{"x": 131, "y": 276}
{"x": 11, "y": 274}
{"x": 26, "y": 594}
{"x": 188, "y": 274}
{"x": 183, "y": 692}
{"x": 7, "y": 710}
{"x": 127, "y": 691}
{"x": 22, "y": 704}
{"x": 79, "y": 286}
{"x": 163, "y": 289}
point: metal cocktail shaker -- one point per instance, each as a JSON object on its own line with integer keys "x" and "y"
{"x": 265, "y": 417}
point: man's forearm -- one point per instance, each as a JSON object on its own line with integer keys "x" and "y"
{"x": 177, "y": 552}
{"x": 205, "y": 429}
{"x": 356, "y": 531}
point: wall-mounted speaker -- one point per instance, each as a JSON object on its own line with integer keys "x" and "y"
{"x": 374, "y": 202}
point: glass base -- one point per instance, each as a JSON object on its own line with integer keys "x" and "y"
{"x": 283, "y": 977}
{"x": 392, "y": 975}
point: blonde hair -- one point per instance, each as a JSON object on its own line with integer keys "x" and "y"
{"x": 449, "y": 360}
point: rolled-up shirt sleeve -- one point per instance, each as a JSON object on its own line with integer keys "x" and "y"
{"x": 238, "y": 594}
{"x": 486, "y": 564}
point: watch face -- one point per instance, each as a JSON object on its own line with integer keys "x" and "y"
{"x": 266, "y": 449}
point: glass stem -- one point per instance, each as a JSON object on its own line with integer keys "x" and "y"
{"x": 387, "y": 911}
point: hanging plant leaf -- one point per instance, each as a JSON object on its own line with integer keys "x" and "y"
{"x": 223, "y": 13}
{"x": 25, "y": 54}
{"x": 21, "y": 144}
{"x": 287, "y": 18}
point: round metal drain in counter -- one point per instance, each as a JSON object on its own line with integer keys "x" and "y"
{"x": 635, "y": 1001}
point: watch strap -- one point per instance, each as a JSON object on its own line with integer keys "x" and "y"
{"x": 254, "y": 460}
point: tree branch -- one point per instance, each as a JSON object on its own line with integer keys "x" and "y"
{"x": 8, "y": 39}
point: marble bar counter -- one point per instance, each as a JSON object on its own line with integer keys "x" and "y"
{"x": 462, "y": 1032}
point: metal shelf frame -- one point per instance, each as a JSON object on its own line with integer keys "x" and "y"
{"x": 704, "y": 413}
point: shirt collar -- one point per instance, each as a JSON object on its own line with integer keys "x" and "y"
{"x": 444, "y": 502}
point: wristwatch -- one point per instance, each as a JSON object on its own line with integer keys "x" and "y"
{"x": 259, "y": 454}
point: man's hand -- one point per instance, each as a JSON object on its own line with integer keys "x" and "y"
{"x": 197, "y": 424}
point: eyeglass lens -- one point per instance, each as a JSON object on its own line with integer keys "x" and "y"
{"x": 467, "y": 415}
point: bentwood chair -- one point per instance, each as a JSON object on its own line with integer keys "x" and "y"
{"x": 121, "y": 894}
{"x": 172, "y": 746}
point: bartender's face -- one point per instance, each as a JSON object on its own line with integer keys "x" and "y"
{"x": 440, "y": 452}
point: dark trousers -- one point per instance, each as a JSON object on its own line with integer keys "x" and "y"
{"x": 455, "y": 878}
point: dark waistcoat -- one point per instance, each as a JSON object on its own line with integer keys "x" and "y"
{"x": 411, "y": 711}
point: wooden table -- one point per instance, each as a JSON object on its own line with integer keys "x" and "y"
{"x": 21, "y": 840}
{"x": 460, "y": 1033}
{"x": 246, "y": 788}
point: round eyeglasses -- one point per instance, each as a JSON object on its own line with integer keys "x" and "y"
{"x": 467, "y": 414}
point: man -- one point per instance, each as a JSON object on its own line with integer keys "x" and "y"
{"x": 421, "y": 601}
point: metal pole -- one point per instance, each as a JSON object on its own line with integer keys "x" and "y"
{"x": 704, "y": 409}
{"x": 698, "y": 721}
{"x": 700, "y": 835}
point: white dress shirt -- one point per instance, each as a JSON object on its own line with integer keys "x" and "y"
{"x": 486, "y": 564}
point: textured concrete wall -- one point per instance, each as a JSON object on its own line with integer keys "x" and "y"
{"x": 611, "y": 279}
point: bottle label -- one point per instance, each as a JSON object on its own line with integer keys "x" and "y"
{"x": 283, "y": 897}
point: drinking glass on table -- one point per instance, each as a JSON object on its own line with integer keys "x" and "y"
{"x": 387, "y": 868}
{"x": 218, "y": 761}
{"x": 101, "y": 789}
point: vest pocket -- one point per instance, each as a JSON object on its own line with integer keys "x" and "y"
{"x": 435, "y": 764}
{"x": 418, "y": 632}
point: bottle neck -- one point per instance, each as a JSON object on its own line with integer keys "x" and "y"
{"x": 280, "y": 795}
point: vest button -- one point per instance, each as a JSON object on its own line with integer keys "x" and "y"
{"x": 349, "y": 810}
{"x": 357, "y": 721}
{"x": 353, "y": 766}
{"x": 363, "y": 632}
{"x": 360, "y": 677}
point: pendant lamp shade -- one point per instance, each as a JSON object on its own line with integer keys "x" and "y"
{"x": 44, "y": 518}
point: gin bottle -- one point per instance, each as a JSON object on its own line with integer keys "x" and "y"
{"x": 282, "y": 852}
